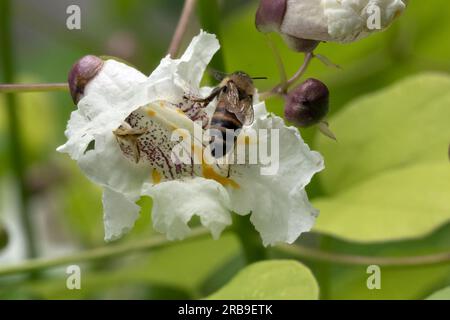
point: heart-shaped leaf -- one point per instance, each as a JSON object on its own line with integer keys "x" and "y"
{"x": 443, "y": 294}
{"x": 388, "y": 177}
{"x": 271, "y": 280}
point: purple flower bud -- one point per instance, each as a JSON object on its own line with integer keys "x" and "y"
{"x": 270, "y": 15}
{"x": 269, "y": 18}
{"x": 81, "y": 73}
{"x": 307, "y": 104}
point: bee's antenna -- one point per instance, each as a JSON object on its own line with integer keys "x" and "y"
{"x": 259, "y": 78}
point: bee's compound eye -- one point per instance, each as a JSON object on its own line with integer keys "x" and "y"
{"x": 307, "y": 104}
{"x": 241, "y": 74}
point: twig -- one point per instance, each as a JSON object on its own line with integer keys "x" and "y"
{"x": 282, "y": 88}
{"x": 278, "y": 60}
{"x": 34, "y": 87}
{"x": 188, "y": 8}
{"x": 98, "y": 253}
{"x": 301, "y": 71}
{"x": 186, "y": 14}
{"x": 158, "y": 242}
{"x": 315, "y": 254}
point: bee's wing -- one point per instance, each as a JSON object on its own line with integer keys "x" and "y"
{"x": 242, "y": 109}
{"x": 247, "y": 113}
{"x": 232, "y": 97}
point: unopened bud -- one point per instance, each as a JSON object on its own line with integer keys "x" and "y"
{"x": 307, "y": 104}
{"x": 270, "y": 15}
{"x": 81, "y": 73}
{"x": 269, "y": 18}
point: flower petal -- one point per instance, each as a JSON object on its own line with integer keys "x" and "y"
{"x": 109, "y": 98}
{"x": 281, "y": 217}
{"x": 187, "y": 71}
{"x": 278, "y": 202}
{"x": 120, "y": 213}
{"x": 116, "y": 92}
{"x": 337, "y": 20}
{"x": 347, "y": 19}
{"x": 176, "y": 202}
{"x": 196, "y": 58}
{"x": 107, "y": 166}
{"x": 120, "y": 93}
{"x": 305, "y": 19}
{"x": 119, "y": 89}
{"x": 126, "y": 158}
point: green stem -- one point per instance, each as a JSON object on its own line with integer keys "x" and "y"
{"x": 33, "y": 87}
{"x": 110, "y": 251}
{"x": 15, "y": 141}
{"x": 251, "y": 244}
{"x": 278, "y": 60}
{"x": 324, "y": 268}
{"x": 300, "y": 72}
{"x": 282, "y": 88}
{"x": 210, "y": 17}
{"x": 250, "y": 240}
{"x": 357, "y": 260}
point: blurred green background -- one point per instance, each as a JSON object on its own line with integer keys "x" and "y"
{"x": 385, "y": 191}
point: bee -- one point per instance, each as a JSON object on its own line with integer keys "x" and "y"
{"x": 234, "y": 108}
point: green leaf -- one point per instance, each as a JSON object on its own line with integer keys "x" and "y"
{"x": 388, "y": 177}
{"x": 404, "y": 203}
{"x": 398, "y": 126}
{"x": 350, "y": 282}
{"x": 276, "y": 279}
{"x": 443, "y": 294}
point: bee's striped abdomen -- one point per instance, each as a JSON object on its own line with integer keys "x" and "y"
{"x": 222, "y": 120}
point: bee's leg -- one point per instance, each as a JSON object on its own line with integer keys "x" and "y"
{"x": 230, "y": 154}
{"x": 223, "y": 167}
{"x": 223, "y": 163}
{"x": 205, "y": 101}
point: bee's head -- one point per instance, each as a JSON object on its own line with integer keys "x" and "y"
{"x": 243, "y": 81}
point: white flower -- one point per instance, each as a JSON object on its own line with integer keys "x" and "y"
{"x": 328, "y": 20}
{"x": 121, "y": 106}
